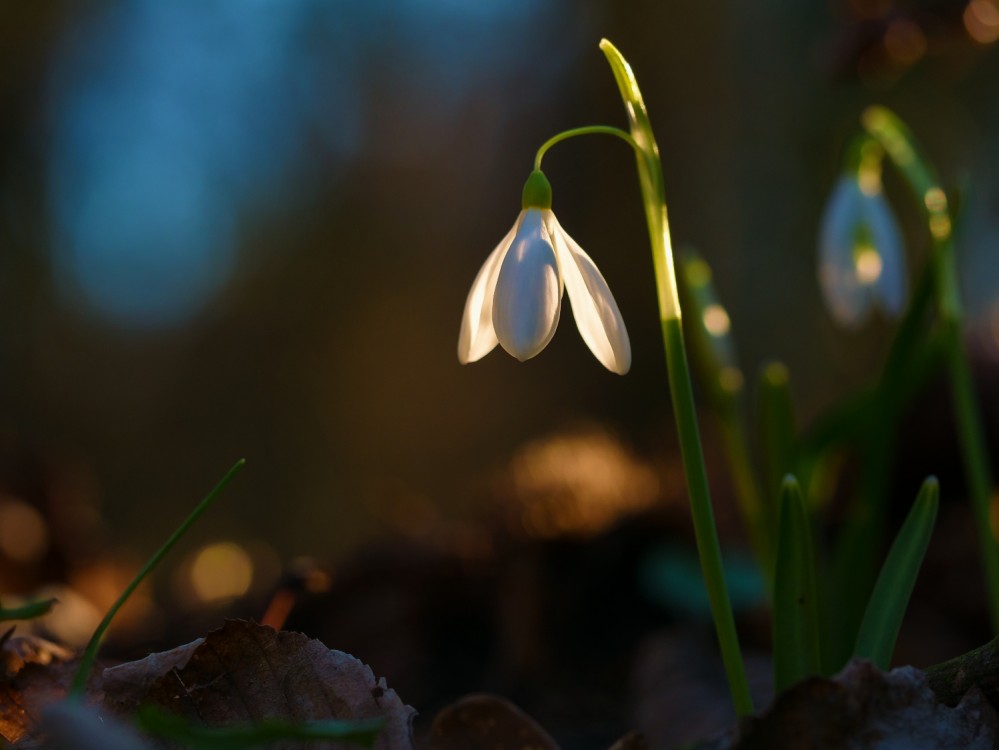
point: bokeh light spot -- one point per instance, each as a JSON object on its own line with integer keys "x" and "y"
{"x": 578, "y": 484}
{"x": 24, "y": 535}
{"x": 935, "y": 199}
{"x": 869, "y": 264}
{"x": 223, "y": 570}
{"x": 981, "y": 20}
{"x": 716, "y": 320}
{"x": 940, "y": 226}
{"x": 731, "y": 379}
{"x": 905, "y": 41}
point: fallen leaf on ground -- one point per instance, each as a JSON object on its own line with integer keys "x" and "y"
{"x": 34, "y": 673}
{"x": 487, "y": 722}
{"x": 863, "y": 708}
{"x": 246, "y": 672}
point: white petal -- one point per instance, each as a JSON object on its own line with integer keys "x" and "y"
{"x": 477, "y": 337}
{"x": 887, "y": 241}
{"x": 528, "y": 291}
{"x": 847, "y": 298}
{"x": 597, "y": 315}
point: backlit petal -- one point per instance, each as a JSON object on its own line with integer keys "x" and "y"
{"x": 847, "y": 298}
{"x": 887, "y": 240}
{"x": 528, "y": 291}
{"x": 597, "y": 315}
{"x": 477, "y": 337}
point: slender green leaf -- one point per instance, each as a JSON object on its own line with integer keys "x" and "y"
{"x": 888, "y": 602}
{"x": 795, "y": 616}
{"x": 90, "y": 652}
{"x": 27, "y": 611}
{"x": 918, "y": 172}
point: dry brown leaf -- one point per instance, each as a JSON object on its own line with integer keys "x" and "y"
{"x": 19, "y": 651}
{"x": 487, "y": 722}
{"x": 246, "y": 672}
{"x": 33, "y": 673}
{"x": 863, "y": 708}
{"x": 127, "y": 685}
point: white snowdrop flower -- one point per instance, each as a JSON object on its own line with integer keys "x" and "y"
{"x": 861, "y": 258}
{"x": 516, "y": 297}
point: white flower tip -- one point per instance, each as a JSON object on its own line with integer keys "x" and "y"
{"x": 464, "y": 354}
{"x": 597, "y": 315}
{"x": 528, "y": 293}
{"x": 621, "y": 366}
{"x": 525, "y": 344}
{"x": 616, "y": 356}
{"x": 477, "y": 337}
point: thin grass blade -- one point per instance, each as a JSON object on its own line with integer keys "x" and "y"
{"x": 795, "y": 615}
{"x": 890, "y": 598}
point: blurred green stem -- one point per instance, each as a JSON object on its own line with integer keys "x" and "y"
{"x": 709, "y": 549}
{"x": 713, "y": 354}
{"x": 905, "y": 153}
{"x": 795, "y": 609}
{"x": 870, "y": 421}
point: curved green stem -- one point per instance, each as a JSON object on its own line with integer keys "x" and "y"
{"x": 90, "y": 653}
{"x": 905, "y": 153}
{"x": 708, "y": 547}
{"x": 586, "y": 130}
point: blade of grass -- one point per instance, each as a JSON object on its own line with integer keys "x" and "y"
{"x": 90, "y": 652}
{"x": 28, "y": 611}
{"x": 795, "y": 607}
{"x": 888, "y": 602}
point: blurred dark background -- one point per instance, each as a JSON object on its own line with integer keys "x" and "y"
{"x": 248, "y": 228}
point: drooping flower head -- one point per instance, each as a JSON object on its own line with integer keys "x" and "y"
{"x": 861, "y": 258}
{"x": 516, "y": 298}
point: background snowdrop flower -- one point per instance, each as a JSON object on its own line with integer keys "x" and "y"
{"x": 516, "y": 298}
{"x": 861, "y": 259}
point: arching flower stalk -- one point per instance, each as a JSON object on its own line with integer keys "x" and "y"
{"x": 516, "y": 301}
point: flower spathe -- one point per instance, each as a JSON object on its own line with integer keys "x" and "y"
{"x": 516, "y": 298}
{"x": 861, "y": 260}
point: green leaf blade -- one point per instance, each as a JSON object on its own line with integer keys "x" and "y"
{"x": 890, "y": 598}
{"x": 28, "y": 611}
{"x": 795, "y": 612}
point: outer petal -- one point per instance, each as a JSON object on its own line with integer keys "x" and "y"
{"x": 847, "y": 298}
{"x": 528, "y": 292}
{"x": 597, "y": 315}
{"x": 891, "y": 283}
{"x": 477, "y": 337}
